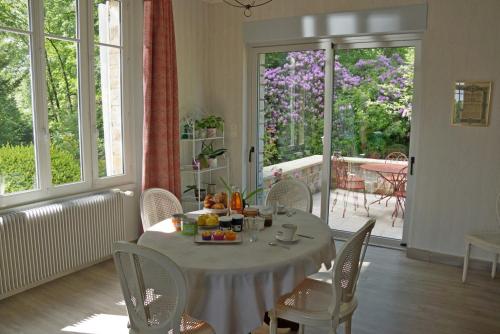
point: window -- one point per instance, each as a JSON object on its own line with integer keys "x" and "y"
{"x": 61, "y": 93}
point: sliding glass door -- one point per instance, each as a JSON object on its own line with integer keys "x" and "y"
{"x": 338, "y": 119}
{"x": 290, "y": 112}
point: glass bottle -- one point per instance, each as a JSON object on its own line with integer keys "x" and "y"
{"x": 236, "y": 201}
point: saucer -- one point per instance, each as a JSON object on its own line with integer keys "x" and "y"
{"x": 280, "y": 238}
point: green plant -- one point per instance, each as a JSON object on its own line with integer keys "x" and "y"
{"x": 17, "y": 167}
{"x": 245, "y": 197}
{"x": 209, "y": 152}
{"x": 210, "y": 122}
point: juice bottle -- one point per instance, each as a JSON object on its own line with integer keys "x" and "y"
{"x": 236, "y": 201}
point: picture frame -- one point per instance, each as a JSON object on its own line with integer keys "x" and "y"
{"x": 471, "y": 103}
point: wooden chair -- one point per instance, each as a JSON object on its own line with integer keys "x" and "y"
{"x": 156, "y": 205}
{"x": 488, "y": 241}
{"x": 291, "y": 192}
{"x": 350, "y": 182}
{"x": 323, "y": 305}
{"x": 155, "y": 292}
{"x": 399, "y": 192}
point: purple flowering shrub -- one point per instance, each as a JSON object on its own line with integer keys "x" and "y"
{"x": 372, "y": 93}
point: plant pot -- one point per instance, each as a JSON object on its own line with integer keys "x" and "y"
{"x": 211, "y": 132}
{"x": 212, "y": 163}
{"x": 196, "y": 164}
{"x": 203, "y": 161}
{"x": 199, "y": 193}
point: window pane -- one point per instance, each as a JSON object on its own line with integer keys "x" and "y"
{"x": 107, "y": 21}
{"x": 109, "y": 110}
{"x": 62, "y": 88}
{"x": 14, "y": 14}
{"x": 60, "y": 17}
{"x": 17, "y": 154}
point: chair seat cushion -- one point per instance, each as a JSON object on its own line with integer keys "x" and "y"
{"x": 488, "y": 240}
{"x": 311, "y": 299}
{"x": 193, "y": 326}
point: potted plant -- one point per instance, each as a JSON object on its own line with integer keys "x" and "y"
{"x": 187, "y": 125}
{"x": 200, "y": 130}
{"x": 246, "y": 197}
{"x": 208, "y": 155}
{"x": 212, "y": 123}
{"x": 198, "y": 193}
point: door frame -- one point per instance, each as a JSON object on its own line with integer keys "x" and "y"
{"x": 332, "y": 44}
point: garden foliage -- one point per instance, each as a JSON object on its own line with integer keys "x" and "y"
{"x": 372, "y": 103}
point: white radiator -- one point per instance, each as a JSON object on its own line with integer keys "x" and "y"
{"x": 41, "y": 244}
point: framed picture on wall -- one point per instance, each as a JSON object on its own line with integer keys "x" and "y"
{"x": 471, "y": 105}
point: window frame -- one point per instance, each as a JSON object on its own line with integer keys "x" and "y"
{"x": 44, "y": 189}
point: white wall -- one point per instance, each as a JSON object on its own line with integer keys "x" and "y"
{"x": 458, "y": 174}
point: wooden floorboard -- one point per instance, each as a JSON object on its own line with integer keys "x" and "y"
{"x": 396, "y": 295}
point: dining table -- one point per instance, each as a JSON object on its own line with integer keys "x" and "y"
{"x": 231, "y": 286}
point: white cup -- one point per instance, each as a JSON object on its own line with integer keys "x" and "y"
{"x": 287, "y": 232}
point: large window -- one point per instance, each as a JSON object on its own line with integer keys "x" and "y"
{"x": 61, "y": 92}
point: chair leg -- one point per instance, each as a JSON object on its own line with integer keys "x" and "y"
{"x": 466, "y": 261}
{"x": 301, "y": 329}
{"x": 365, "y": 203}
{"x": 347, "y": 325}
{"x": 346, "y": 196}
{"x": 273, "y": 322}
{"x": 494, "y": 266}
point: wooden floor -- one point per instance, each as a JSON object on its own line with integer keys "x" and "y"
{"x": 396, "y": 295}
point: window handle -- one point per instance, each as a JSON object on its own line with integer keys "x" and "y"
{"x": 412, "y": 162}
{"x": 252, "y": 149}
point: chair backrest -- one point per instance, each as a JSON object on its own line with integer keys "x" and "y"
{"x": 348, "y": 266}
{"x": 341, "y": 171}
{"x": 396, "y": 156}
{"x": 156, "y": 205}
{"x": 291, "y": 192}
{"x": 153, "y": 286}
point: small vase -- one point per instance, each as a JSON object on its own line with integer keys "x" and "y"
{"x": 196, "y": 164}
{"x": 211, "y": 132}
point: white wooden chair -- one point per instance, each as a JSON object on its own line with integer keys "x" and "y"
{"x": 156, "y": 205}
{"x": 292, "y": 193}
{"x": 323, "y": 305}
{"x": 488, "y": 241}
{"x": 155, "y": 292}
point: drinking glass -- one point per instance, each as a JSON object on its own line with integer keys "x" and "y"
{"x": 253, "y": 229}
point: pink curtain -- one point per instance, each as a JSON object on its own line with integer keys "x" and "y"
{"x": 160, "y": 166}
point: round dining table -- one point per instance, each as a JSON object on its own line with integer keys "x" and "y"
{"x": 231, "y": 286}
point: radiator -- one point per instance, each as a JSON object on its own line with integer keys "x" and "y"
{"x": 43, "y": 243}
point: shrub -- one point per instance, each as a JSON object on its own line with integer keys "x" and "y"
{"x": 17, "y": 166}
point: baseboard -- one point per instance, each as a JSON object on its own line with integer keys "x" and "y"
{"x": 451, "y": 260}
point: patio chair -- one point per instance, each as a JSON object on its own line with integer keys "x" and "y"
{"x": 400, "y": 180}
{"x": 155, "y": 292}
{"x": 156, "y": 205}
{"x": 292, "y": 193}
{"x": 349, "y": 182}
{"x": 324, "y": 305}
{"x": 488, "y": 241}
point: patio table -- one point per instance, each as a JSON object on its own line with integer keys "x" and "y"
{"x": 387, "y": 171}
{"x": 232, "y": 286}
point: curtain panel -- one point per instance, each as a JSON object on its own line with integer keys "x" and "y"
{"x": 160, "y": 167}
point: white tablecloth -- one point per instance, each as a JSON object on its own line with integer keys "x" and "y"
{"x": 231, "y": 286}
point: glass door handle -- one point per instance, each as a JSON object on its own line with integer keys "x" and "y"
{"x": 252, "y": 149}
